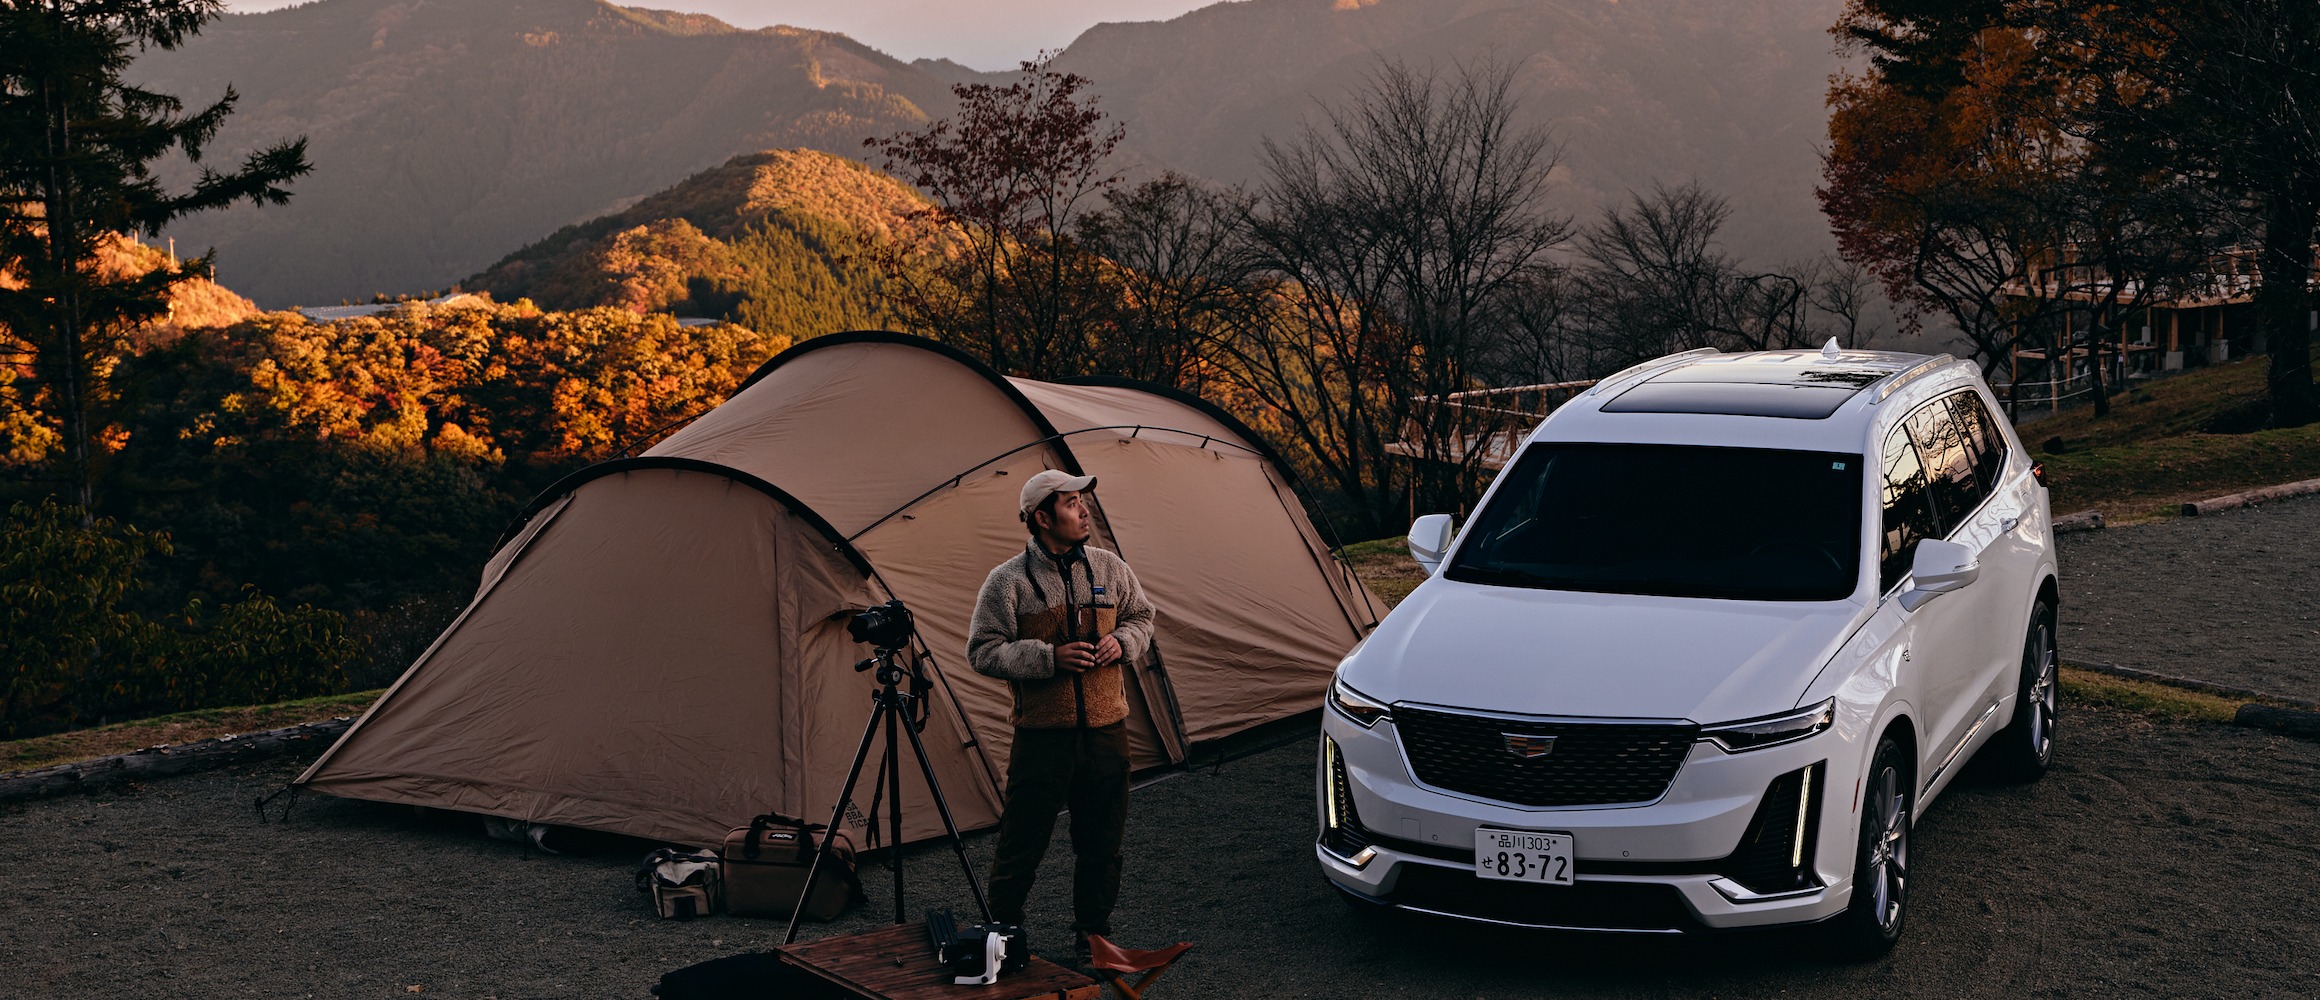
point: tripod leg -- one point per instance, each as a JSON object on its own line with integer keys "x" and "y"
{"x": 871, "y": 822}
{"x": 958, "y": 845}
{"x": 892, "y": 765}
{"x": 837, "y": 813}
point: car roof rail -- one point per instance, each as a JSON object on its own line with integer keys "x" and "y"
{"x": 1650, "y": 367}
{"x": 1927, "y": 367}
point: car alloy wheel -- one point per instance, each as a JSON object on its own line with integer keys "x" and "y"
{"x": 1872, "y": 922}
{"x": 2024, "y": 750}
{"x": 2041, "y": 698}
{"x": 1887, "y": 847}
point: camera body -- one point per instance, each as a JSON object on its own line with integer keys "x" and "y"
{"x": 886, "y": 626}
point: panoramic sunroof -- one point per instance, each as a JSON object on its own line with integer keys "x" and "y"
{"x": 1739, "y": 399}
{"x": 1801, "y": 387}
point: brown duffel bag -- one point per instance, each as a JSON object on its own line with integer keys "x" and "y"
{"x": 766, "y": 864}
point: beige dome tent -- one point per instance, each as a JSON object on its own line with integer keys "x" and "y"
{"x": 658, "y": 647}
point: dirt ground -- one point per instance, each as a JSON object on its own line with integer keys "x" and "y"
{"x": 2232, "y": 598}
{"x": 2157, "y": 859}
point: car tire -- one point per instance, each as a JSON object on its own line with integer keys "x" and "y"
{"x": 2025, "y": 748}
{"x": 1872, "y": 922}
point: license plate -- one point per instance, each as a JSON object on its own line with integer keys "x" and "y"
{"x": 1522, "y": 856}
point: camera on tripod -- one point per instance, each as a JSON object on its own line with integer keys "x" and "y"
{"x": 886, "y": 626}
{"x": 902, "y": 709}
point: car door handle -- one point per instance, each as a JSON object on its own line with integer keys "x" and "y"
{"x": 2009, "y": 524}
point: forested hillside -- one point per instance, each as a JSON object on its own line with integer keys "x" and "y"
{"x": 775, "y": 241}
{"x": 445, "y": 133}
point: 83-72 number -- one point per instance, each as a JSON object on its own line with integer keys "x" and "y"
{"x": 1522, "y": 856}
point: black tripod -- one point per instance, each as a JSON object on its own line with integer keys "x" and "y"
{"x": 892, "y": 704}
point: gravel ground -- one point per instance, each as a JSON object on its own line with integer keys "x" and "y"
{"x": 2157, "y": 859}
{"x": 2231, "y": 598}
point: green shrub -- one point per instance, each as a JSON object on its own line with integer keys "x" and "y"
{"x": 60, "y": 587}
{"x": 70, "y": 653}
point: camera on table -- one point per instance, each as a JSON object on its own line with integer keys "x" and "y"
{"x": 886, "y": 626}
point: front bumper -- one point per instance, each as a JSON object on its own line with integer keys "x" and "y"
{"x": 1671, "y": 865}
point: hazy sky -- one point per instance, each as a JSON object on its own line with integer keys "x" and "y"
{"x": 984, "y": 34}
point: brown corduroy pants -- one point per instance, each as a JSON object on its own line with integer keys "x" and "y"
{"x": 1049, "y": 770}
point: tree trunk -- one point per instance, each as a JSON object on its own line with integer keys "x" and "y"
{"x": 57, "y": 216}
{"x": 2094, "y": 366}
{"x": 2282, "y": 303}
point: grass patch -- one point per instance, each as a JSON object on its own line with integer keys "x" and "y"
{"x": 1385, "y": 565}
{"x": 2152, "y": 479}
{"x": 183, "y": 727}
{"x": 2165, "y": 407}
{"x": 2147, "y": 697}
{"x": 2156, "y": 450}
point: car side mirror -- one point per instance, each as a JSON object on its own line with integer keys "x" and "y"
{"x": 1430, "y": 540}
{"x": 1938, "y": 568}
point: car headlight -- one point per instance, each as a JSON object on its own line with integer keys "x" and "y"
{"x": 1772, "y": 730}
{"x": 1360, "y": 708}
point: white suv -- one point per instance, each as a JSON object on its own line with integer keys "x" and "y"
{"x": 1710, "y": 643}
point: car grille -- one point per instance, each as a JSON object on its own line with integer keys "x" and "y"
{"x": 1635, "y": 906}
{"x": 1591, "y": 763}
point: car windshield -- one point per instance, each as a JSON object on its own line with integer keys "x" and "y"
{"x": 1677, "y": 521}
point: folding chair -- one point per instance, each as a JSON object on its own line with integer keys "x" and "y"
{"x": 1123, "y": 962}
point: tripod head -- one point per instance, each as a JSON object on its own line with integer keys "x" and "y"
{"x": 891, "y": 671}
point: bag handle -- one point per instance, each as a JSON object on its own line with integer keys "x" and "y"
{"x": 758, "y": 826}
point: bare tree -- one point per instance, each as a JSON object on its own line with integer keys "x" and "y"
{"x": 1653, "y": 278}
{"x": 1387, "y": 240}
{"x": 1172, "y": 242}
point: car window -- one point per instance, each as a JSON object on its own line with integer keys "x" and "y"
{"x": 1908, "y": 507}
{"x": 1677, "y": 521}
{"x": 1982, "y": 437}
{"x": 1949, "y": 467}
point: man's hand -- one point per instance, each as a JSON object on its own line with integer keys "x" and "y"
{"x": 1107, "y": 651}
{"x": 1077, "y": 657}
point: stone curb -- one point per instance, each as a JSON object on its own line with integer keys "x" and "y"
{"x": 2284, "y": 721}
{"x": 2251, "y": 497}
{"x": 2085, "y": 520}
{"x": 166, "y": 760}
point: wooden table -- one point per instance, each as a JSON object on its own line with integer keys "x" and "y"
{"x": 897, "y": 963}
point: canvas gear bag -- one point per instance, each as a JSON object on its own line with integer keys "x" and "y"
{"x": 683, "y": 884}
{"x": 766, "y": 864}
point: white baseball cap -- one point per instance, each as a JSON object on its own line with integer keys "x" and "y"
{"x": 1037, "y": 489}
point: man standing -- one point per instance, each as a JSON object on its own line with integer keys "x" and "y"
{"x": 1058, "y": 622}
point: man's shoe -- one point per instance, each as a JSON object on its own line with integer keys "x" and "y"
{"x": 1081, "y": 950}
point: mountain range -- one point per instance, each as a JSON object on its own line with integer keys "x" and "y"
{"x": 447, "y": 133}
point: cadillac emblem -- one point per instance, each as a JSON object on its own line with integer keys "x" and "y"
{"x": 1527, "y": 746}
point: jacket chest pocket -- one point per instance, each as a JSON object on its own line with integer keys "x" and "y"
{"x": 1097, "y": 622}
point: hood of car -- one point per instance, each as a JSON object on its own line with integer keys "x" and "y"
{"x": 1549, "y": 652}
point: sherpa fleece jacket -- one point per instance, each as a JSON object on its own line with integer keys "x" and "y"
{"x": 1020, "y": 619}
